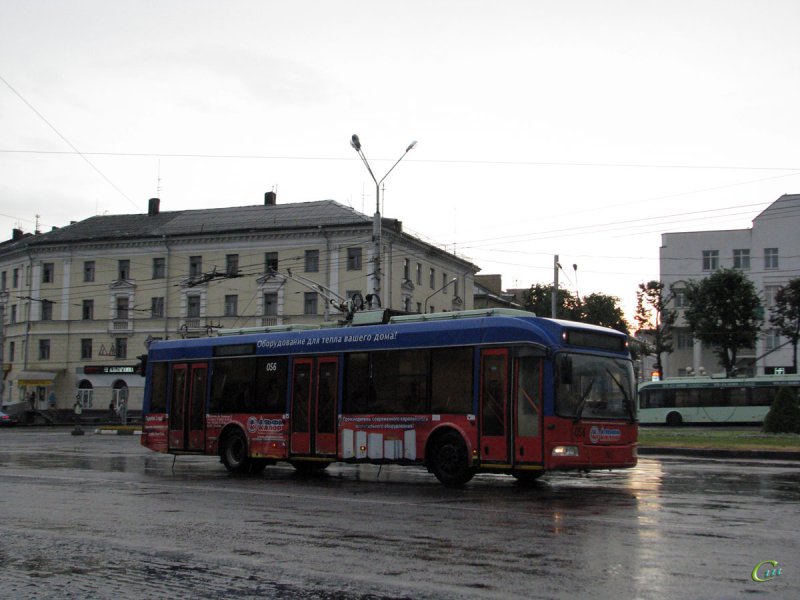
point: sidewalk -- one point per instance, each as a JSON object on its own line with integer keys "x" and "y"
{"x": 717, "y": 453}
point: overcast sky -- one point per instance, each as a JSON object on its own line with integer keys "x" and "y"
{"x": 578, "y": 128}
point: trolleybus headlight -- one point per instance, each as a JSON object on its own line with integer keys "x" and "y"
{"x": 565, "y": 451}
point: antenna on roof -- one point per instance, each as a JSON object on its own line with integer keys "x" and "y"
{"x": 158, "y": 180}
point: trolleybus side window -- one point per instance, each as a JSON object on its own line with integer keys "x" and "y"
{"x": 400, "y": 378}
{"x": 451, "y": 380}
{"x": 271, "y": 377}
{"x": 358, "y": 383}
{"x": 232, "y": 385}
{"x": 158, "y": 393}
{"x": 494, "y": 394}
{"x": 529, "y": 395}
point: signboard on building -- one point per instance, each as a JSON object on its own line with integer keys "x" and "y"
{"x": 109, "y": 369}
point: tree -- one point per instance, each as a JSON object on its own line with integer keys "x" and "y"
{"x": 654, "y": 316}
{"x": 538, "y": 300}
{"x": 603, "y": 310}
{"x": 724, "y": 311}
{"x": 785, "y": 315}
{"x": 784, "y": 414}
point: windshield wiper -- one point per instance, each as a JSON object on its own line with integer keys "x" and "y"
{"x": 582, "y": 403}
{"x": 626, "y": 401}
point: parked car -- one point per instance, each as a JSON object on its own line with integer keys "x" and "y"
{"x": 7, "y": 420}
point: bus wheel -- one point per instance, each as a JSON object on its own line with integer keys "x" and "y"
{"x": 449, "y": 460}
{"x": 674, "y": 419}
{"x": 525, "y": 477}
{"x": 309, "y": 467}
{"x": 233, "y": 453}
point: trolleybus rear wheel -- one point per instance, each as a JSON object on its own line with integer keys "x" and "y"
{"x": 449, "y": 460}
{"x": 674, "y": 419}
{"x": 234, "y": 453}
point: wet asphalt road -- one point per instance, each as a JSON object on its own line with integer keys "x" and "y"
{"x": 99, "y": 516}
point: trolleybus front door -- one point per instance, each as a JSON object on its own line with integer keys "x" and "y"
{"x": 314, "y": 406}
{"x": 494, "y": 436}
{"x": 187, "y": 407}
{"x": 527, "y": 430}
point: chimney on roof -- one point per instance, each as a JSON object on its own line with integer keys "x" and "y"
{"x": 16, "y": 234}
{"x": 153, "y": 206}
{"x": 270, "y": 199}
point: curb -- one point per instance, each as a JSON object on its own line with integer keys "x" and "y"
{"x": 110, "y": 431}
{"x": 712, "y": 453}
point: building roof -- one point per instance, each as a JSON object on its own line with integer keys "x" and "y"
{"x": 240, "y": 219}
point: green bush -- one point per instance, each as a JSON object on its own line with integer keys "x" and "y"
{"x": 784, "y": 415}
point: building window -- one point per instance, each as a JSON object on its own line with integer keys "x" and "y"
{"x": 270, "y": 305}
{"x": 11, "y": 348}
{"x": 159, "y": 268}
{"x": 354, "y": 259}
{"x": 312, "y": 261}
{"x": 15, "y": 278}
{"x": 770, "y": 258}
{"x": 87, "y": 310}
{"x": 270, "y": 262}
{"x": 193, "y": 306}
{"x": 86, "y": 348}
{"x": 684, "y": 340}
{"x": 231, "y": 264}
{"x": 47, "y": 310}
{"x": 121, "y": 347}
{"x": 772, "y": 339}
{"x": 741, "y": 259}
{"x": 710, "y": 260}
{"x": 157, "y": 307}
{"x": 3, "y": 281}
{"x": 231, "y": 305}
{"x": 309, "y": 303}
{"x": 419, "y": 307}
{"x": 679, "y": 297}
{"x": 419, "y": 273}
{"x": 85, "y": 393}
{"x": 88, "y": 271}
{"x": 48, "y": 272}
{"x": 444, "y": 283}
{"x": 406, "y": 270}
{"x": 13, "y": 317}
{"x": 769, "y": 295}
{"x": 122, "y": 308}
{"x": 44, "y": 349}
{"x": 123, "y": 269}
{"x": 195, "y": 266}
{"x": 432, "y": 278}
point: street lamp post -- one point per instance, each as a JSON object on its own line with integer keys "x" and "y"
{"x": 452, "y": 281}
{"x": 375, "y": 277}
{"x": 4, "y": 294}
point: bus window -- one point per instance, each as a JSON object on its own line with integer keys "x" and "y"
{"x": 529, "y": 399}
{"x": 357, "y": 383}
{"x": 271, "y": 377}
{"x": 400, "y": 378}
{"x": 494, "y": 395}
{"x": 158, "y": 391}
{"x": 763, "y": 396}
{"x": 232, "y": 385}
{"x": 451, "y": 380}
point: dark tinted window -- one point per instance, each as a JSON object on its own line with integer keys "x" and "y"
{"x": 158, "y": 389}
{"x": 451, "y": 380}
{"x": 271, "y": 378}
{"x": 232, "y": 386}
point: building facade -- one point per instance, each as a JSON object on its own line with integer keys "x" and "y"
{"x": 81, "y": 303}
{"x": 768, "y": 253}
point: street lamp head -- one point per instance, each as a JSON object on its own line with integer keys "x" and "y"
{"x": 355, "y": 142}
{"x": 411, "y": 146}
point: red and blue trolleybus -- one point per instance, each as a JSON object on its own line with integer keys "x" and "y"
{"x": 461, "y": 392}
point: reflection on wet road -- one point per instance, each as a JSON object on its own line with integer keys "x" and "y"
{"x": 99, "y": 516}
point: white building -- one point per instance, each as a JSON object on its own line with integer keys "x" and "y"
{"x": 768, "y": 253}
{"x": 80, "y": 303}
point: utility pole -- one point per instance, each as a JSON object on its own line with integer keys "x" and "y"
{"x": 554, "y": 295}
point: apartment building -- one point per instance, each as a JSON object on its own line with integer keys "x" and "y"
{"x": 768, "y": 253}
{"x": 81, "y": 302}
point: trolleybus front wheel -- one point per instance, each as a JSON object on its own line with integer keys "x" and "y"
{"x": 449, "y": 460}
{"x": 233, "y": 453}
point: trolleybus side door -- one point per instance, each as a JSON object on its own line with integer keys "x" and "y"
{"x": 314, "y": 405}
{"x": 527, "y": 430}
{"x": 494, "y": 420}
{"x": 187, "y": 406}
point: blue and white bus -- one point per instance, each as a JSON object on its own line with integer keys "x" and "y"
{"x": 493, "y": 390}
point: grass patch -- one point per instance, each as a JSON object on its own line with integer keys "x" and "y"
{"x": 718, "y": 438}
